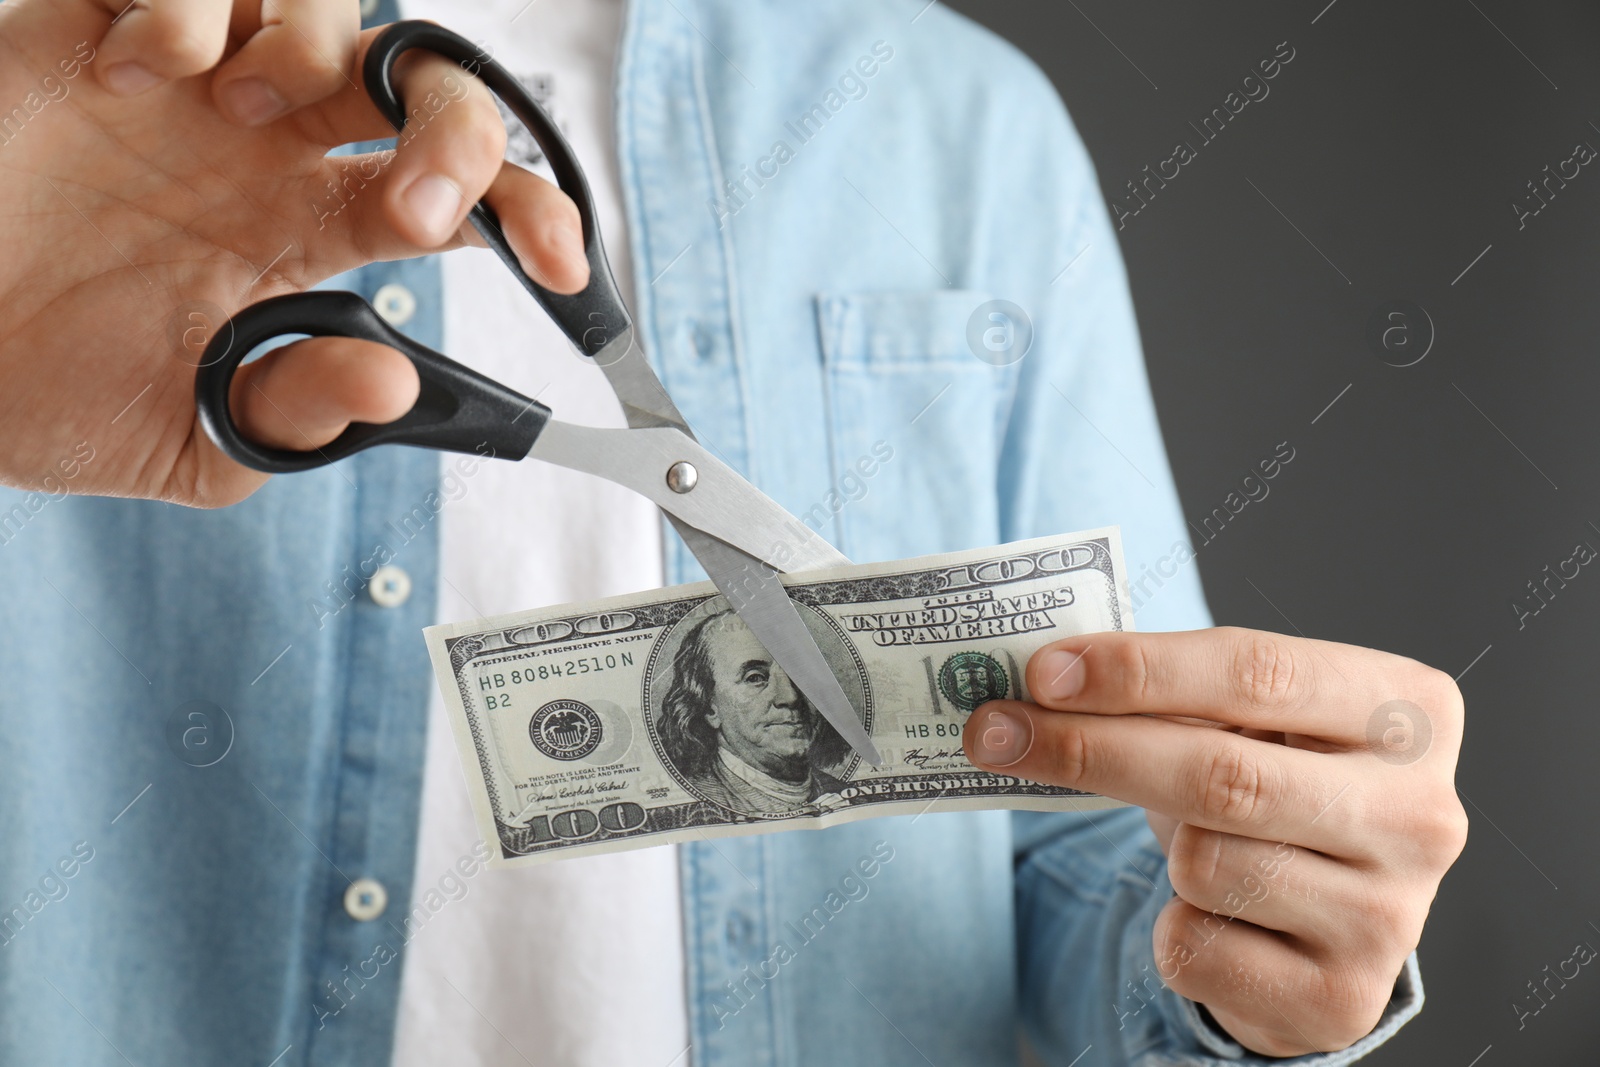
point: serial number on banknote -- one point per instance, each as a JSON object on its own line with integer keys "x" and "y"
{"x": 572, "y": 668}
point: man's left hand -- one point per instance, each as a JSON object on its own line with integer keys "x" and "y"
{"x": 1303, "y": 792}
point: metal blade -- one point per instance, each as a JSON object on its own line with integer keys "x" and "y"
{"x": 644, "y": 399}
{"x": 721, "y": 503}
{"x": 758, "y": 596}
{"x": 728, "y": 506}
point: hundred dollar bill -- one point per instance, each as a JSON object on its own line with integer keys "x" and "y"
{"x": 657, "y": 717}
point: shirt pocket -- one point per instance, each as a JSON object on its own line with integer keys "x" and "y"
{"x": 915, "y": 424}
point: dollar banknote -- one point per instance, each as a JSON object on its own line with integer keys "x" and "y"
{"x": 657, "y": 717}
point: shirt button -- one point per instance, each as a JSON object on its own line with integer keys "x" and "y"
{"x": 740, "y": 929}
{"x": 395, "y": 303}
{"x": 390, "y": 587}
{"x": 705, "y": 346}
{"x": 365, "y": 899}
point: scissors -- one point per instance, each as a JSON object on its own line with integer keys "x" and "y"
{"x": 741, "y": 537}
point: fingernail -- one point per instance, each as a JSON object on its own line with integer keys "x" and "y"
{"x": 253, "y": 101}
{"x": 1061, "y": 674}
{"x": 130, "y": 79}
{"x": 434, "y": 202}
{"x": 1002, "y": 737}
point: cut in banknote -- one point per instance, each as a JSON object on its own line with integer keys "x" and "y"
{"x": 657, "y": 717}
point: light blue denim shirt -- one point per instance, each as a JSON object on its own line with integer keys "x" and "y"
{"x": 199, "y": 761}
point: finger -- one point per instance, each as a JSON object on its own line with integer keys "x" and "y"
{"x": 1246, "y": 678}
{"x": 399, "y": 203}
{"x": 155, "y": 41}
{"x": 305, "y": 51}
{"x": 445, "y": 159}
{"x": 1163, "y": 826}
{"x": 543, "y": 226}
{"x": 1216, "y": 779}
{"x": 303, "y": 395}
{"x": 427, "y": 84}
{"x": 347, "y": 115}
{"x": 448, "y": 154}
{"x": 1272, "y": 997}
{"x": 1290, "y": 889}
{"x": 540, "y": 221}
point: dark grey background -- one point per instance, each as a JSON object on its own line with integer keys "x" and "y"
{"x": 1420, "y": 504}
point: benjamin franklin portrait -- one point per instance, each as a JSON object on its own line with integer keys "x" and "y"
{"x": 738, "y": 729}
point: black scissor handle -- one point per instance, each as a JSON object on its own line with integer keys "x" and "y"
{"x": 591, "y": 317}
{"x": 459, "y": 410}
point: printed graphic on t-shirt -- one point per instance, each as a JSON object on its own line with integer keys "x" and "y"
{"x": 521, "y": 148}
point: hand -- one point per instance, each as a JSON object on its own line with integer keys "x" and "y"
{"x": 1303, "y": 792}
{"x": 147, "y": 190}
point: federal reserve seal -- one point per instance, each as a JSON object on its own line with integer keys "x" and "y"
{"x": 565, "y": 730}
{"x": 967, "y": 679}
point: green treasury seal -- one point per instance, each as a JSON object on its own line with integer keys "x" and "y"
{"x": 967, "y": 679}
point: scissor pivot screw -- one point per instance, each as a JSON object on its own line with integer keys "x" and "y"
{"x": 682, "y": 477}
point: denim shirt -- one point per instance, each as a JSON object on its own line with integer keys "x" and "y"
{"x": 201, "y": 755}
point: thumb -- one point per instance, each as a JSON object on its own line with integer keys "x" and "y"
{"x": 303, "y": 395}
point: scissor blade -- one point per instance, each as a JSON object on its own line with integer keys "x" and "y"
{"x": 761, "y": 601}
{"x": 722, "y": 503}
{"x": 735, "y": 508}
{"x": 644, "y": 399}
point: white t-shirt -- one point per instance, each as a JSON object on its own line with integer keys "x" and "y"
{"x": 538, "y": 964}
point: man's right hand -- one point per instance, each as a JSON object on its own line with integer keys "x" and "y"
{"x": 169, "y": 164}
